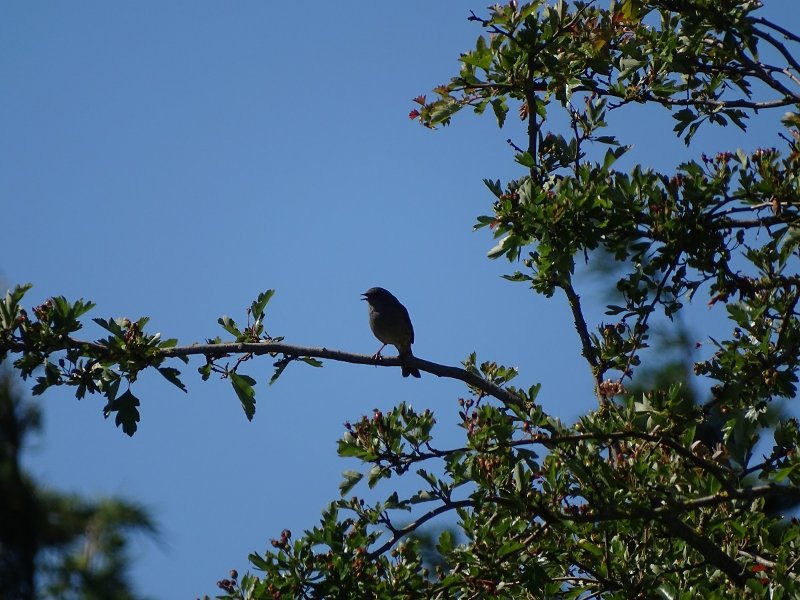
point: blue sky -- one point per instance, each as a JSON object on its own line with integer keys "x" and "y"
{"x": 174, "y": 159}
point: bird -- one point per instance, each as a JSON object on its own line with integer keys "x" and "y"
{"x": 390, "y": 323}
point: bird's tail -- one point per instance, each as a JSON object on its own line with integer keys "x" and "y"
{"x": 408, "y": 370}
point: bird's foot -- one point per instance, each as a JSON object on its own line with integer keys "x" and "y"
{"x": 377, "y": 356}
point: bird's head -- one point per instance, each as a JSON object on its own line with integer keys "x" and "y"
{"x": 377, "y": 296}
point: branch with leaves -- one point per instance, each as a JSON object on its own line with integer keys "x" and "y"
{"x": 45, "y": 342}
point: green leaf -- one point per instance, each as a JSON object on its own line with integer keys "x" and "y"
{"x": 446, "y": 543}
{"x": 483, "y": 221}
{"x": 126, "y": 407}
{"x": 667, "y": 591}
{"x": 351, "y": 478}
{"x": 205, "y": 371}
{"x": 481, "y": 57}
{"x": 517, "y": 277}
{"x": 509, "y": 548}
{"x": 500, "y": 110}
{"x": 612, "y": 154}
{"x": 785, "y": 472}
{"x": 280, "y": 366}
{"x": 229, "y": 325}
{"x": 258, "y": 562}
{"x": 243, "y": 386}
{"x": 52, "y": 376}
{"x": 791, "y": 119}
{"x": 533, "y": 391}
{"x": 111, "y": 325}
{"x": 422, "y": 496}
{"x": 257, "y": 307}
{"x": 606, "y": 139}
{"x": 9, "y": 307}
{"x": 375, "y": 474}
{"x": 171, "y": 374}
{"x": 81, "y": 307}
{"x": 501, "y": 247}
{"x": 442, "y": 110}
{"x": 526, "y": 160}
{"x": 347, "y": 447}
{"x": 519, "y": 477}
{"x": 497, "y": 189}
{"x": 314, "y": 362}
{"x": 742, "y": 156}
{"x": 686, "y": 118}
{"x": 393, "y": 501}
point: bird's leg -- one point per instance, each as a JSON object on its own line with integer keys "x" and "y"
{"x": 377, "y": 355}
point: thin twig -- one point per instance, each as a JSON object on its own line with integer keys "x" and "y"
{"x": 767, "y": 563}
{"x": 640, "y": 328}
{"x": 783, "y": 31}
{"x": 779, "y": 47}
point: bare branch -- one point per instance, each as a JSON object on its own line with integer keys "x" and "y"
{"x": 583, "y": 333}
{"x": 783, "y": 31}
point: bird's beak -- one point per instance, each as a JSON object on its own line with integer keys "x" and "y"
{"x": 365, "y": 296}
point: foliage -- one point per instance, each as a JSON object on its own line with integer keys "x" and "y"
{"x": 56, "y": 545}
{"x": 636, "y": 499}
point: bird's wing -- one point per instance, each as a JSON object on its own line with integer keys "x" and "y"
{"x": 408, "y": 320}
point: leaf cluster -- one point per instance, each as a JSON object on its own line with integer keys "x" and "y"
{"x": 111, "y": 365}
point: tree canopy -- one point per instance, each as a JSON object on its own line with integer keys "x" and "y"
{"x": 650, "y": 494}
{"x": 54, "y": 544}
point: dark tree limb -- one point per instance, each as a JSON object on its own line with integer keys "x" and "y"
{"x": 583, "y": 333}
{"x": 214, "y": 351}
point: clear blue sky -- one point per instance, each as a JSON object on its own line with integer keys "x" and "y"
{"x": 173, "y": 159}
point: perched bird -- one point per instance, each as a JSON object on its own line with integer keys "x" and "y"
{"x": 391, "y": 324}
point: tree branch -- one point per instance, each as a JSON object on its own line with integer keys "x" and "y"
{"x": 642, "y": 97}
{"x": 778, "y": 45}
{"x": 711, "y": 552}
{"x": 583, "y": 333}
{"x": 399, "y": 533}
{"x": 720, "y": 473}
{"x": 290, "y": 350}
{"x": 674, "y": 508}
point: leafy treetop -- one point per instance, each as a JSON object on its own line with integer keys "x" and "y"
{"x": 650, "y": 494}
